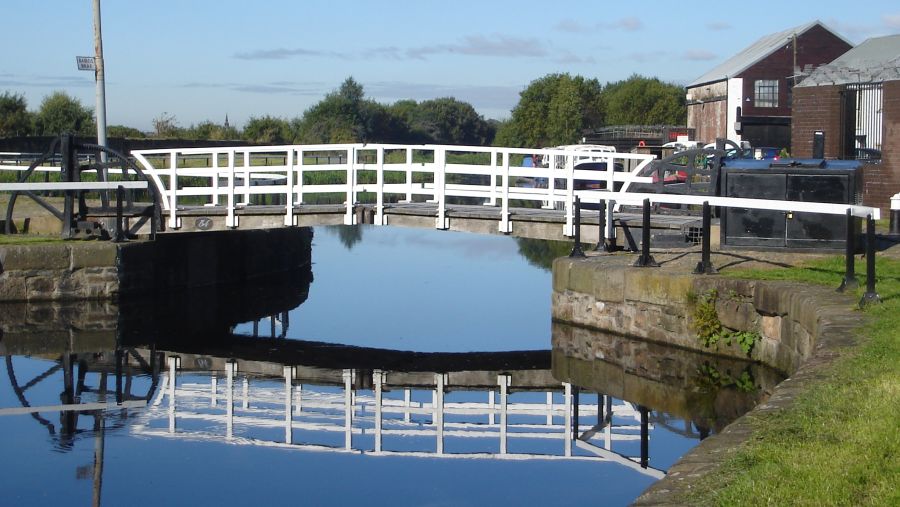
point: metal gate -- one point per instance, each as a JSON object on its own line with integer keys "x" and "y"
{"x": 861, "y": 120}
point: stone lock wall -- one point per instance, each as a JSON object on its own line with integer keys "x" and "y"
{"x": 659, "y": 306}
{"x": 82, "y": 270}
{"x": 58, "y": 271}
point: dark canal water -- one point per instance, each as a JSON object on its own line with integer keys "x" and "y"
{"x": 410, "y": 367}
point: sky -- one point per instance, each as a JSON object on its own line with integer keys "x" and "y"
{"x": 201, "y": 60}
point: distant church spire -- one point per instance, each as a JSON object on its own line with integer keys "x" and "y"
{"x": 226, "y": 120}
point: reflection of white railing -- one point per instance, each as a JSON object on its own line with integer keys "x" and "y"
{"x": 229, "y": 176}
{"x": 379, "y": 425}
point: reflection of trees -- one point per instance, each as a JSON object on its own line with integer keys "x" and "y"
{"x": 540, "y": 252}
{"x": 348, "y": 234}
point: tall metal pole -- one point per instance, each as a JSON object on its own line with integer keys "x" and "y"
{"x": 101, "y": 84}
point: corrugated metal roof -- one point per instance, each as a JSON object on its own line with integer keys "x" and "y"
{"x": 754, "y": 53}
{"x": 875, "y": 60}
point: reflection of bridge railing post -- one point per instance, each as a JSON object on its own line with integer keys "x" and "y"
{"x": 245, "y": 392}
{"x": 407, "y": 401}
{"x": 174, "y": 363}
{"x": 230, "y": 370}
{"x": 439, "y": 381}
{"x": 213, "y": 390}
{"x": 288, "y": 409}
{"x": 348, "y": 409}
{"x": 378, "y": 377}
{"x": 645, "y": 437}
{"x": 567, "y": 433}
{"x": 503, "y": 381}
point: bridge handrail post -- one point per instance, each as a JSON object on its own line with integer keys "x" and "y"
{"x": 300, "y": 166}
{"x": 870, "y": 295}
{"x": 504, "y": 189}
{"x": 440, "y": 173}
{"x": 705, "y": 267}
{"x": 576, "y": 249}
{"x": 229, "y": 218}
{"x": 409, "y": 174}
{"x": 289, "y": 187}
{"x": 214, "y": 191}
{"x": 173, "y": 190}
{"x": 645, "y": 259}
{"x": 246, "y": 182}
{"x": 379, "y": 184}
{"x": 570, "y": 196}
{"x": 349, "y": 217}
{"x": 850, "y": 282}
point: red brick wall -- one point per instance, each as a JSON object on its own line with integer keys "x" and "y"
{"x": 883, "y": 180}
{"x": 817, "y": 46}
{"x": 816, "y": 108}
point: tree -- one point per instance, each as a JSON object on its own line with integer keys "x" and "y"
{"x": 641, "y": 100}
{"x": 61, "y": 113}
{"x": 210, "y": 131}
{"x": 345, "y": 116}
{"x": 267, "y": 130}
{"x": 166, "y": 125}
{"x": 15, "y": 120}
{"x": 449, "y": 121}
{"x": 553, "y": 110}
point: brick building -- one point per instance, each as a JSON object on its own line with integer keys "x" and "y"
{"x": 748, "y": 97}
{"x": 855, "y": 103}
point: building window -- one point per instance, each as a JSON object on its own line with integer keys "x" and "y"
{"x": 765, "y": 93}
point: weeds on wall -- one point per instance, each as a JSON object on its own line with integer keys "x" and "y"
{"x": 709, "y": 329}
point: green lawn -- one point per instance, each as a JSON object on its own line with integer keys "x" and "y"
{"x": 840, "y": 443}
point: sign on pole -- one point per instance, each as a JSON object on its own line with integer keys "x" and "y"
{"x": 85, "y": 63}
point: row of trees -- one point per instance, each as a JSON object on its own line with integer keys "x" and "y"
{"x": 58, "y": 113}
{"x": 553, "y": 110}
{"x": 556, "y": 109}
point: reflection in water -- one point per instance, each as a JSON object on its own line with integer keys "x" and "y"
{"x": 224, "y": 366}
{"x": 706, "y": 391}
{"x": 541, "y": 253}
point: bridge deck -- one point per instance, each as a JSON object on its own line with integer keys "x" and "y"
{"x": 527, "y": 222}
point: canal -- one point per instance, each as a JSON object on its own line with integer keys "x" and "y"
{"x": 406, "y": 367}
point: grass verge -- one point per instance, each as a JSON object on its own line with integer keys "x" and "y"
{"x": 839, "y": 444}
{"x": 27, "y": 239}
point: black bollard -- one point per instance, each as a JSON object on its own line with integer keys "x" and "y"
{"x": 870, "y": 296}
{"x": 120, "y": 221}
{"x": 705, "y": 267}
{"x": 601, "y": 227}
{"x": 576, "y": 250}
{"x": 646, "y": 260}
{"x": 850, "y": 282}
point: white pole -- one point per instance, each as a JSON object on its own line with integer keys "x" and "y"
{"x": 100, "y": 83}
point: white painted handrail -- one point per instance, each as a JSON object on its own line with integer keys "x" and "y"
{"x": 246, "y": 171}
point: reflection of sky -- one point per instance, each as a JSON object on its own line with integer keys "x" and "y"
{"x": 425, "y": 290}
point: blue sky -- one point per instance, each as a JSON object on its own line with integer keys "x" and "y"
{"x": 202, "y": 59}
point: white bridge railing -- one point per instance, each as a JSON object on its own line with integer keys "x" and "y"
{"x": 230, "y": 176}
